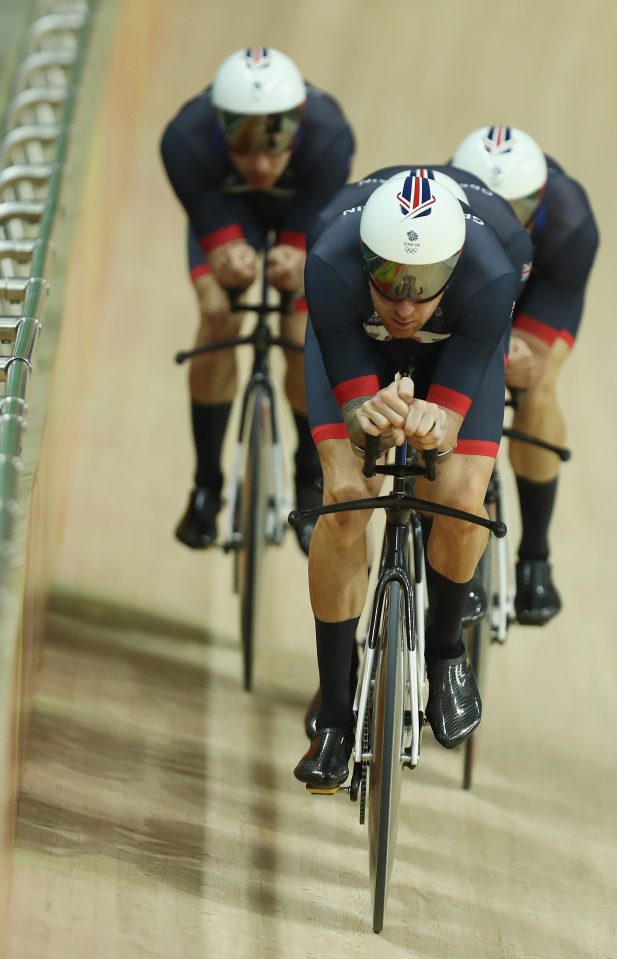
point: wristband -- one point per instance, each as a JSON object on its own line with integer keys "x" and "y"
{"x": 441, "y": 456}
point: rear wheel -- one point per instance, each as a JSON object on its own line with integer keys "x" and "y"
{"x": 384, "y": 787}
{"x": 253, "y": 508}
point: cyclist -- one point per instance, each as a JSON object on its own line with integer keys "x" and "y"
{"x": 556, "y": 212}
{"x": 259, "y": 150}
{"x": 491, "y": 207}
{"x": 517, "y": 245}
{"x": 406, "y": 275}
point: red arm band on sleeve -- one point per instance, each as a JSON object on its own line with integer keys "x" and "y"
{"x": 543, "y": 331}
{"x": 329, "y": 431}
{"x": 292, "y": 238}
{"x": 477, "y": 448}
{"x": 356, "y": 388}
{"x": 449, "y": 399}
{"x": 202, "y": 269}
{"x": 225, "y": 235}
{"x": 567, "y": 338}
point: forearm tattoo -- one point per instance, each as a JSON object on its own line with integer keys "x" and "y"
{"x": 350, "y": 412}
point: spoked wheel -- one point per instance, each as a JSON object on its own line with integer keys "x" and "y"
{"x": 252, "y": 524}
{"x": 478, "y": 639}
{"x": 384, "y": 787}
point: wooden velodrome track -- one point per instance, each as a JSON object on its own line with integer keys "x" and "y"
{"x": 159, "y": 816}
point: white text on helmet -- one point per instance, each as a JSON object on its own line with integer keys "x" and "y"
{"x": 476, "y": 186}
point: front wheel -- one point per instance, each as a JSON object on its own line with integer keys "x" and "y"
{"x": 253, "y": 509}
{"x": 478, "y": 639}
{"x": 385, "y": 768}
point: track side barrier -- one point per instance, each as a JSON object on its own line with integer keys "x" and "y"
{"x": 34, "y": 137}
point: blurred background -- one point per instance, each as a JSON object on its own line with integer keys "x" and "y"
{"x": 158, "y": 814}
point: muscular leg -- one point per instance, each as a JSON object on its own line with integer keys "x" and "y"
{"x": 293, "y": 327}
{"x": 537, "y": 475}
{"x": 454, "y": 547}
{"x": 539, "y": 414}
{"x": 212, "y": 385}
{"x": 338, "y": 568}
{"x": 338, "y": 575}
{"x": 306, "y": 459}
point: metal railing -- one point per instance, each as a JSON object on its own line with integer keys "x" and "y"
{"x": 34, "y": 135}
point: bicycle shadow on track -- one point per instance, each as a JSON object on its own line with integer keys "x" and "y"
{"x": 91, "y": 609}
{"x": 115, "y": 769}
{"x": 159, "y": 847}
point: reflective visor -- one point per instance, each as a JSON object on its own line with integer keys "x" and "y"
{"x": 526, "y": 206}
{"x": 268, "y": 133}
{"x": 408, "y": 281}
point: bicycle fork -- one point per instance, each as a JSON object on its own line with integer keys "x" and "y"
{"x": 502, "y": 602}
{"x": 394, "y": 564}
{"x": 280, "y": 500}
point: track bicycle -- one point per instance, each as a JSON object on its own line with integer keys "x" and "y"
{"x": 258, "y": 493}
{"x": 497, "y": 573}
{"x": 389, "y": 707}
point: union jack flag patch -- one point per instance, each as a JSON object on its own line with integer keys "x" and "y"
{"x": 416, "y": 198}
{"x": 498, "y": 140}
{"x": 256, "y": 57}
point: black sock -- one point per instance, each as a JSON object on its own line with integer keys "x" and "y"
{"x": 537, "y": 501}
{"x": 446, "y": 604}
{"x": 335, "y": 645}
{"x": 306, "y": 459}
{"x": 209, "y": 425}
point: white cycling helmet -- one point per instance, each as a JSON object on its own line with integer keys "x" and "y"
{"x": 412, "y": 231}
{"x": 511, "y": 164}
{"x": 258, "y": 94}
{"x": 440, "y": 177}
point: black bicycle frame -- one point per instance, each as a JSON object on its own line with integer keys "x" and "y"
{"x": 395, "y": 557}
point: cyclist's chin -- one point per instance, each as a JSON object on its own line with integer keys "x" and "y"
{"x": 401, "y": 329}
{"x": 261, "y": 182}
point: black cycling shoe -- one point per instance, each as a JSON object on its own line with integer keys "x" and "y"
{"x": 308, "y": 496}
{"x": 537, "y": 600}
{"x": 476, "y": 602}
{"x": 310, "y": 716}
{"x": 454, "y": 708}
{"x": 325, "y": 766}
{"x": 197, "y": 528}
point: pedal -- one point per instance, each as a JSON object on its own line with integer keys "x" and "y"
{"x": 315, "y": 791}
{"x": 230, "y": 545}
